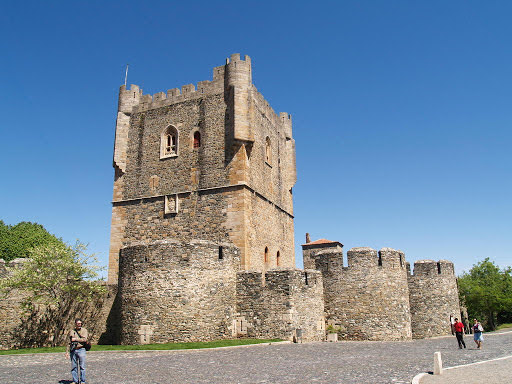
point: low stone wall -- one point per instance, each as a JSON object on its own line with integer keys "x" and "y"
{"x": 280, "y": 302}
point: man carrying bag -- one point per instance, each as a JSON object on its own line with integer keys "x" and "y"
{"x": 78, "y": 344}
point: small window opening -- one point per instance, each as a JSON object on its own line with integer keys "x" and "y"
{"x": 380, "y": 259}
{"x": 439, "y": 268}
{"x": 306, "y": 278}
{"x": 197, "y": 139}
{"x": 266, "y": 255}
{"x": 278, "y": 258}
{"x": 221, "y": 253}
{"x": 401, "y": 261}
{"x": 268, "y": 151}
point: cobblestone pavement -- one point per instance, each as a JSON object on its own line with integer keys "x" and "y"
{"x": 489, "y": 372}
{"x": 343, "y": 362}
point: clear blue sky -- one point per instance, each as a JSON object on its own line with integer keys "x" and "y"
{"x": 401, "y": 111}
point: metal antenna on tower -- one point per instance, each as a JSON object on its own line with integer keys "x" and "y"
{"x": 126, "y": 75}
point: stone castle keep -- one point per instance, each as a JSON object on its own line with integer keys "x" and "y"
{"x": 202, "y": 236}
{"x": 202, "y": 243}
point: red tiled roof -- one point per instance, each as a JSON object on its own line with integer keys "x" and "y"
{"x": 321, "y": 241}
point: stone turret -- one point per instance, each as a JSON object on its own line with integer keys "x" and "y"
{"x": 434, "y": 297}
{"x": 173, "y": 291}
{"x": 368, "y": 299}
{"x": 238, "y": 93}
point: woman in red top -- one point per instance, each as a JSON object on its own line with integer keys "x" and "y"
{"x": 459, "y": 333}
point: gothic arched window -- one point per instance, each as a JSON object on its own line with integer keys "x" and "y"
{"x": 169, "y": 142}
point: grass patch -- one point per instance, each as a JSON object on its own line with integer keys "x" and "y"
{"x": 502, "y": 326}
{"x": 145, "y": 347}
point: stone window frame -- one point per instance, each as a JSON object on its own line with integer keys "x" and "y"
{"x": 265, "y": 256}
{"x": 278, "y": 258}
{"x": 268, "y": 151}
{"x": 169, "y": 142}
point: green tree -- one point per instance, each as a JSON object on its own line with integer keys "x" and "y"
{"x": 54, "y": 280}
{"x": 486, "y": 291}
{"x": 17, "y": 240}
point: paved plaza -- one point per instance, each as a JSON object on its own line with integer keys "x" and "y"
{"x": 343, "y": 362}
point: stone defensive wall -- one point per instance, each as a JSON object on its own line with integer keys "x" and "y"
{"x": 433, "y": 297}
{"x": 285, "y": 304}
{"x": 22, "y": 329}
{"x": 171, "y": 291}
{"x": 368, "y": 299}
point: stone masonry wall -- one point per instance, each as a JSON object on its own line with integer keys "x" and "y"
{"x": 274, "y": 178}
{"x": 434, "y": 297}
{"x": 272, "y": 229}
{"x": 368, "y": 299}
{"x": 171, "y": 291}
{"x": 286, "y": 300}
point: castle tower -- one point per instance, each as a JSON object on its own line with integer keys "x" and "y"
{"x": 219, "y": 155}
{"x": 434, "y": 296}
{"x": 203, "y": 189}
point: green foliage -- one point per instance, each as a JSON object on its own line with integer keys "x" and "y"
{"x": 17, "y": 240}
{"x": 332, "y": 329}
{"x": 487, "y": 292}
{"x": 53, "y": 280}
{"x": 53, "y": 274}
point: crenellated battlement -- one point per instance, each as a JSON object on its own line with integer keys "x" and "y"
{"x": 327, "y": 255}
{"x": 282, "y": 119}
{"x": 177, "y": 95}
{"x": 235, "y": 58}
{"x": 129, "y": 98}
{"x": 433, "y": 268}
{"x": 276, "y": 277}
{"x": 236, "y": 72}
{"x": 365, "y": 257}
